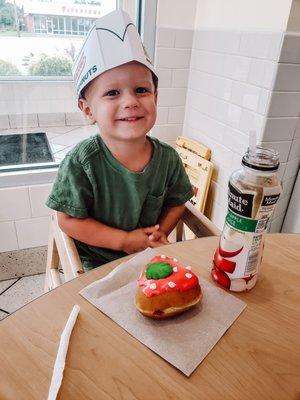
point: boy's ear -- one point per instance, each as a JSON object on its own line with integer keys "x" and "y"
{"x": 86, "y": 109}
{"x": 155, "y": 94}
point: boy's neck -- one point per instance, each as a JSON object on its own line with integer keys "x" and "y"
{"x": 133, "y": 155}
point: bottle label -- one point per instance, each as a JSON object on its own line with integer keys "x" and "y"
{"x": 240, "y": 203}
{"x": 241, "y": 243}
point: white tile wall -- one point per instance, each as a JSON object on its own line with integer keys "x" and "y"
{"x": 171, "y": 97}
{"x": 37, "y": 97}
{"x": 52, "y": 119}
{"x": 295, "y": 149}
{"x": 176, "y": 115}
{"x": 284, "y": 104}
{"x": 14, "y": 203}
{"x": 252, "y": 121}
{"x": 211, "y": 84}
{"x": 218, "y": 41}
{"x": 290, "y": 52}
{"x": 282, "y": 147}
{"x": 236, "y": 67}
{"x": 280, "y": 129}
{"x": 184, "y": 38}
{"x": 180, "y": 78}
{"x": 25, "y": 120}
{"x": 4, "y": 122}
{"x": 38, "y": 195}
{"x": 8, "y": 237}
{"x": 249, "y": 96}
{"x": 276, "y": 224}
{"x": 281, "y": 206}
{"x": 32, "y": 232}
{"x": 24, "y": 218}
{"x": 287, "y": 186}
{"x": 172, "y": 63}
{"x": 288, "y": 77}
{"x": 262, "y": 73}
{"x": 261, "y": 45}
{"x": 162, "y": 115}
{"x": 76, "y": 118}
{"x": 165, "y": 37}
{"x": 177, "y": 58}
{"x": 164, "y": 77}
{"x": 297, "y": 132}
{"x": 168, "y": 132}
{"x": 291, "y": 168}
{"x": 242, "y": 81}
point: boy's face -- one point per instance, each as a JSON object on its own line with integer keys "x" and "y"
{"x": 122, "y": 101}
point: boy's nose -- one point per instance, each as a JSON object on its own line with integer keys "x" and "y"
{"x": 130, "y": 100}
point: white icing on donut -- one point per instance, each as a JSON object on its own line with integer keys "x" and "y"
{"x": 152, "y": 286}
{"x": 172, "y": 284}
{"x": 175, "y": 259}
{"x": 163, "y": 256}
{"x": 188, "y": 267}
{"x": 175, "y": 269}
{"x": 189, "y": 276}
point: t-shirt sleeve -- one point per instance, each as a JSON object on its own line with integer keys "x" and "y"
{"x": 179, "y": 187}
{"x": 72, "y": 189}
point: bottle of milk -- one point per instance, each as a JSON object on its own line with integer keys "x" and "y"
{"x": 253, "y": 193}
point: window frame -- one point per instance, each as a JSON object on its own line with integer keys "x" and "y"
{"x": 146, "y": 25}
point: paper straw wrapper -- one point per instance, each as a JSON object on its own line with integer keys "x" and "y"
{"x": 61, "y": 354}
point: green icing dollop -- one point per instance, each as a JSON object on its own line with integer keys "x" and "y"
{"x": 158, "y": 270}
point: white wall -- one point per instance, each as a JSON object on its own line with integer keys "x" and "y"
{"x": 242, "y": 14}
{"x": 27, "y": 97}
{"x": 292, "y": 219}
{"x": 244, "y": 75}
{"x": 176, "y": 13}
{"x": 174, "y": 39}
{"x": 294, "y": 19}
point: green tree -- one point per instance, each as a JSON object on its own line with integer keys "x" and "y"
{"x": 50, "y": 66}
{"x": 7, "y": 14}
{"x": 8, "y": 69}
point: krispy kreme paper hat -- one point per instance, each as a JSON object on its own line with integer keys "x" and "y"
{"x": 112, "y": 41}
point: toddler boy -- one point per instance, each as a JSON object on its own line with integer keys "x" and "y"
{"x": 120, "y": 191}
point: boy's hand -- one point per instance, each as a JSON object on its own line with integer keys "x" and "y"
{"x": 158, "y": 238}
{"x": 138, "y": 239}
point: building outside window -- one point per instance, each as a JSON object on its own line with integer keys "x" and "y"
{"x": 41, "y": 38}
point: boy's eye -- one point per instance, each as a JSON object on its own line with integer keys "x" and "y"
{"x": 142, "y": 90}
{"x": 112, "y": 93}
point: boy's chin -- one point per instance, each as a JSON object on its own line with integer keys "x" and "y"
{"x": 129, "y": 134}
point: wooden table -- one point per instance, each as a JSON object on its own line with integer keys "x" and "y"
{"x": 257, "y": 358}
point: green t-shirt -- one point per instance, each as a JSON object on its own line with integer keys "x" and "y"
{"x": 92, "y": 183}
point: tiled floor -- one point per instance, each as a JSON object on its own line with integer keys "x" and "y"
{"x": 15, "y": 293}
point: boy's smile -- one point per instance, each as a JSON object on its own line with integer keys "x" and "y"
{"x": 122, "y": 101}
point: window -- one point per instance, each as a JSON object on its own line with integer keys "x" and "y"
{"x": 34, "y": 34}
{"x": 37, "y": 33}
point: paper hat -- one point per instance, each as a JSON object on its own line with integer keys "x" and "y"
{"x": 112, "y": 41}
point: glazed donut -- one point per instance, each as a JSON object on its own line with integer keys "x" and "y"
{"x": 166, "y": 288}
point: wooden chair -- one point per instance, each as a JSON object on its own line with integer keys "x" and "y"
{"x": 195, "y": 158}
{"x": 62, "y": 252}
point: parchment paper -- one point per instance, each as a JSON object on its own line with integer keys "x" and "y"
{"x": 183, "y": 341}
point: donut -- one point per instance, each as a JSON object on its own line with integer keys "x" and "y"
{"x": 166, "y": 288}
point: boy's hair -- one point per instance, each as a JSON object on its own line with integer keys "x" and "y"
{"x": 154, "y": 78}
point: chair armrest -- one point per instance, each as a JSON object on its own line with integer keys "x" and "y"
{"x": 198, "y": 223}
{"x": 67, "y": 250}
